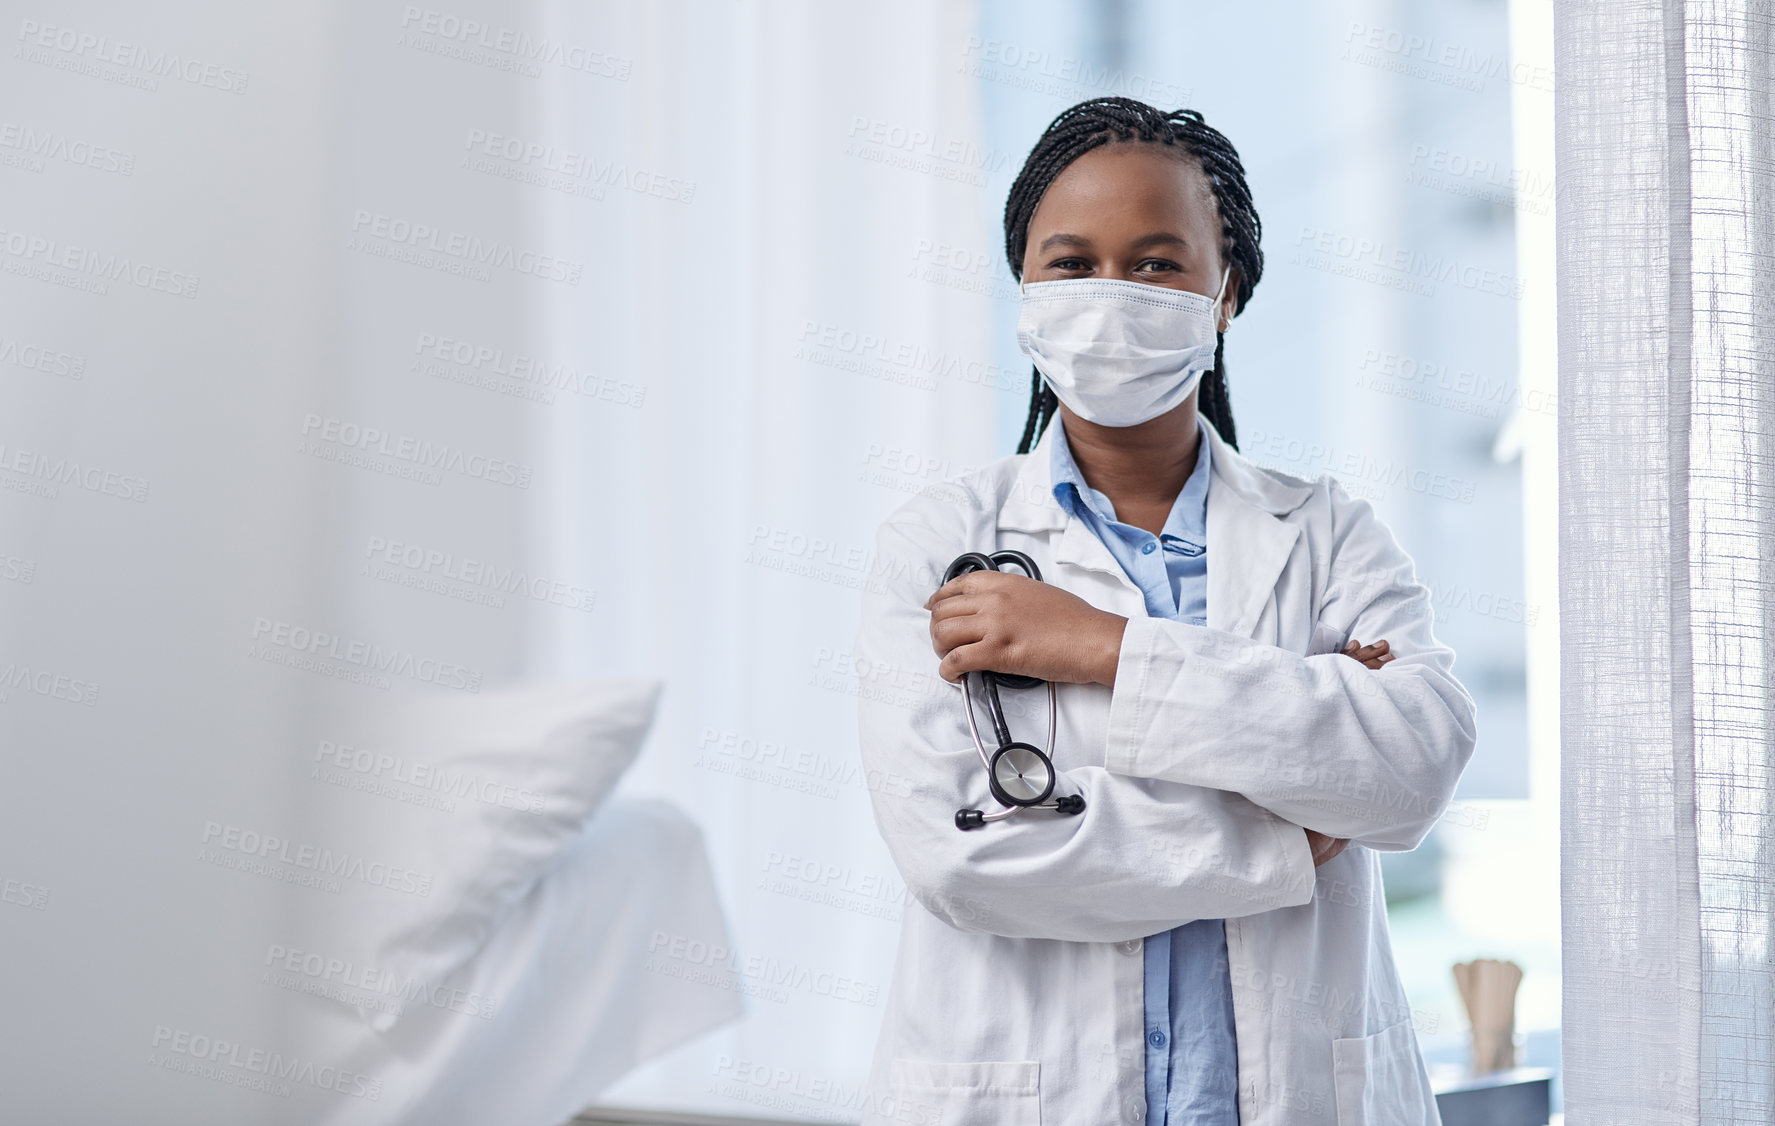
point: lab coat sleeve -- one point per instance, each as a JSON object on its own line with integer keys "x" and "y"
{"x": 1372, "y": 755}
{"x": 1145, "y": 856}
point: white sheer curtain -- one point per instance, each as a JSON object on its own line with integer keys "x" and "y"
{"x": 238, "y": 407}
{"x": 812, "y": 324}
{"x": 677, "y": 389}
{"x": 691, "y": 295}
{"x": 1667, "y": 418}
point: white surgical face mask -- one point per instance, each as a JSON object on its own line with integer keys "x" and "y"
{"x": 1118, "y": 352}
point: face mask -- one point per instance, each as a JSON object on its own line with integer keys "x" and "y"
{"x": 1118, "y": 352}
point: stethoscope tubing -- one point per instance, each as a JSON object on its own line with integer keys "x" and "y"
{"x": 986, "y": 760}
{"x": 974, "y": 726}
{"x": 989, "y": 684}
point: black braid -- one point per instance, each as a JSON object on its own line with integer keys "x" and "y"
{"x": 1103, "y": 121}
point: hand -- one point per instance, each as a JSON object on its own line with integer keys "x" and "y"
{"x": 1374, "y": 656}
{"x": 999, "y": 622}
{"x": 1324, "y": 848}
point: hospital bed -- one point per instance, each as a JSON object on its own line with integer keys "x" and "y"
{"x": 576, "y": 996}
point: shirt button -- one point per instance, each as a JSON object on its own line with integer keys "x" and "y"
{"x": 1156, "y": 1038}
{"x": 1134, "y": 1108}
{"x": 1131, "y": 946}
{"x": 1147, "y": 548}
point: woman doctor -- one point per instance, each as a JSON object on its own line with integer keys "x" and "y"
{"x": 1206, "y": 944}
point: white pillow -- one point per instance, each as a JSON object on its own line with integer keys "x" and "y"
{"x": 449, "y": 808}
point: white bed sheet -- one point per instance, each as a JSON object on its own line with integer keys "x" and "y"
{"x": 578, "y": 999}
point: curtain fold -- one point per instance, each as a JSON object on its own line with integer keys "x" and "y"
{"x": 1666, "y": 263}
{"x": 813, "y": 324}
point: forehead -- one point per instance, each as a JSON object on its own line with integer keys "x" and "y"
{"x": 1142, "y": 183}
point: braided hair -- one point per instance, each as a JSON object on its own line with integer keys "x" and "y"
{"x": 1103, "y": 121}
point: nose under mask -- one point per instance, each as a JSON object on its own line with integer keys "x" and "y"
{"x": 1118, "y": 353}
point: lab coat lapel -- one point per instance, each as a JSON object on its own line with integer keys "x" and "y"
{"x": 1247, "y": 545}
{"x": 1078, "y": 547}
{"x": 1030, "y": 507}
{"x": 1247, "y": 549}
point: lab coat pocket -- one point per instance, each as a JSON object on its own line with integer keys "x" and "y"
{"x": 1379, "y": 1080}
{"x": 985, "y": 1093}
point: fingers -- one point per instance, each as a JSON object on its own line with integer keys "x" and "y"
{"x": 949, "y": 630}
{"x": 960, "y": 585}
{"x": 973, "y": 583}
{"x": 962, "y": 659}
{"x": 957, "y": 605}
{"x": 1374, "y": 656}
{"x": 960, "y": 610}
{"x": 958, "y": 624}
{"x": 1324, "y": 848}
{"x": 983, "y": 651}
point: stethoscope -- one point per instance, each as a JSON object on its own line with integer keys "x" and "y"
{"x": 1019, "y": 775}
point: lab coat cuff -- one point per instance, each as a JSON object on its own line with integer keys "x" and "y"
{"x": 1299, "y": 879}
{"x": 1127, "y": 723}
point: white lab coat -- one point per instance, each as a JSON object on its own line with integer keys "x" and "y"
{"x": 1017, "y": 993}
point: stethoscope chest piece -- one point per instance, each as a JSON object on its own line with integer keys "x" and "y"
{"x": 1019, "y": 775}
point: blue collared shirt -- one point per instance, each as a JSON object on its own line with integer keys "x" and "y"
{"x": 1192, "y": 1070}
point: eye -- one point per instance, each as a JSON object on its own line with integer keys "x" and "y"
{"x": 1069, "y": 264}
{"x": 1157, "y": 265}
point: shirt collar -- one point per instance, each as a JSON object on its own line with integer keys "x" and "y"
{"x": 1026, "y": 503}
{"x": 1188, "y": 519}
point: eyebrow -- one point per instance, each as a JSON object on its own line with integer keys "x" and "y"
{"x": 1157, "y": 238}
{"x": 1161, "y": 238}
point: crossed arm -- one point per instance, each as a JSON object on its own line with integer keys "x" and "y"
{"x": 1179, "y": 826}
{"x": 992, "y": 620}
